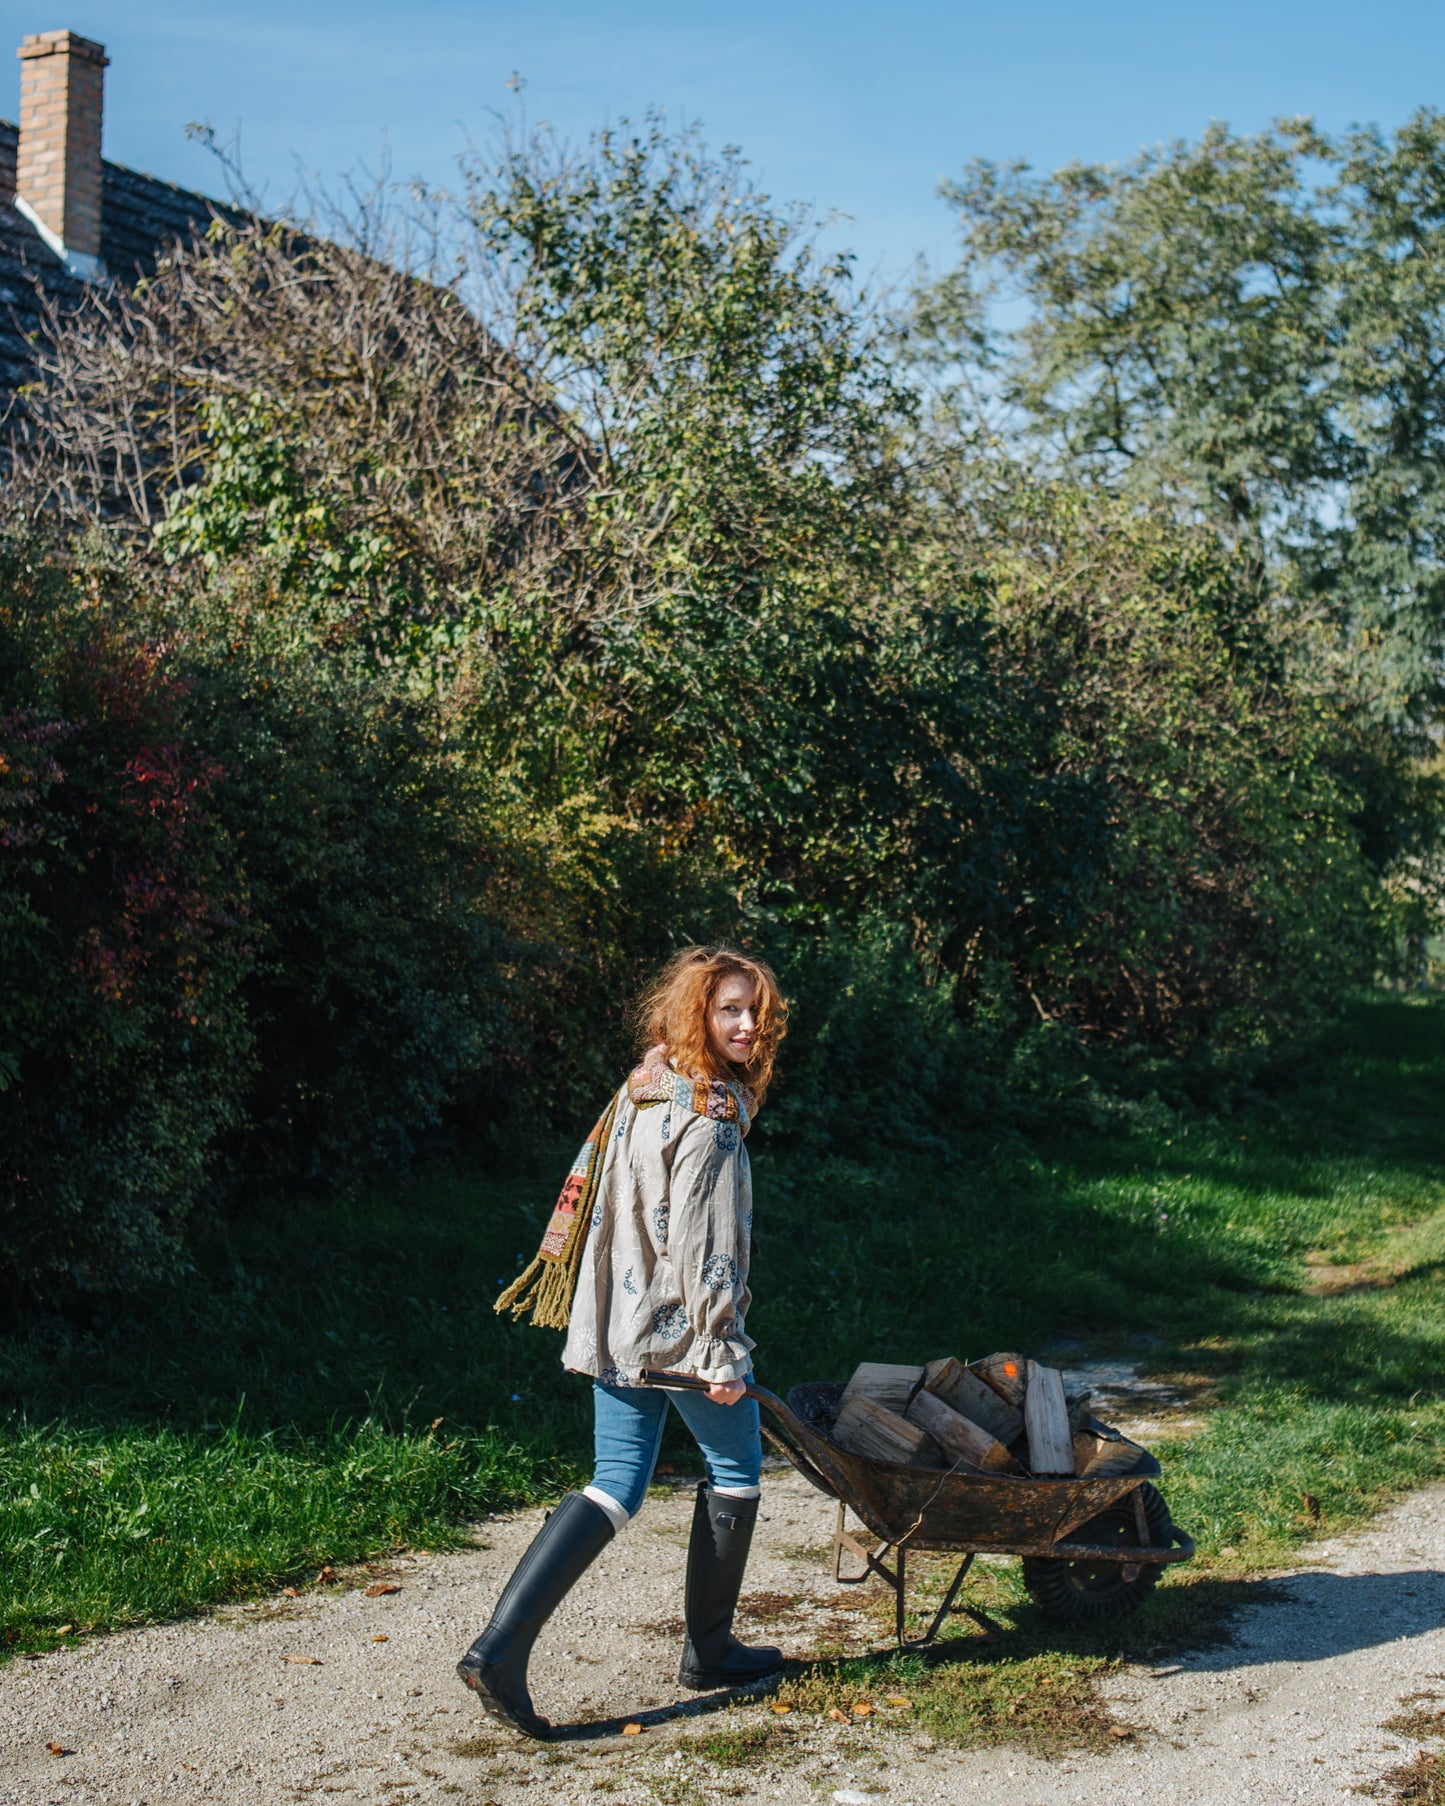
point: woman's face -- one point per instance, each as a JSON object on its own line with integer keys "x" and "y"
{"x": 732, "y": 1023}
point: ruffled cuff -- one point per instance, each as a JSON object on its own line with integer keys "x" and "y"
{"x": 716, "y": 1361}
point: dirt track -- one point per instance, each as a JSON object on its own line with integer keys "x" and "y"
{"x": 213, "y": 1710}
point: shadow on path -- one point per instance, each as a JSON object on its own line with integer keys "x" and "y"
{"x": 1311, "y": 1616}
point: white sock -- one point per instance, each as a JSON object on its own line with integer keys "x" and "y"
{"x": 737, "y": 1492}
{"x": 605, "y": 1502}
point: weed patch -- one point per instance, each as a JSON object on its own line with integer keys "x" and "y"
{"x": 1419, "y": 1721}
{"x": 744, "y": 1743}
{"x": 769, "y": 1608}
{"x": 1419, "y": 1782}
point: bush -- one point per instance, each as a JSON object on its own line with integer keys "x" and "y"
{"x": 128, "y": 938}
{"x": 244, "y": 909}
{"x": 376, "y": 988}
{"x": 1204, "y": 880}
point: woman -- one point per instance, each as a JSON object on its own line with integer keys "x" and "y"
{"x": 645, "y": 1262}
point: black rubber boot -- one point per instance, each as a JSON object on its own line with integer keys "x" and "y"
{"x": 717, "y": 1553}
{"x": 495, "y": 1667}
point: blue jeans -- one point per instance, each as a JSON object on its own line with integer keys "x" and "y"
{"x": 629, "y": 1421}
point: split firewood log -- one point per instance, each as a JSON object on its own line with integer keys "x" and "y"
{"x": 868, "y": 1428}
{"x": 1046, "y": 1419}
{"x": 1100, "y": 1451}
{"x": 960, "y": 1439}
{"x": 1078, "y": 1404}
{"x": 963, "y": 1391}
{"x": 1006, "y": 1373}
{"x": 885, "y": 1383}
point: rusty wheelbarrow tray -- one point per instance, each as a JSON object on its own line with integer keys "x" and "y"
{"x": 1066, "y": 1530}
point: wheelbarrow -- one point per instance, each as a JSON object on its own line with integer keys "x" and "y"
{"x": 1090, "y": 1548}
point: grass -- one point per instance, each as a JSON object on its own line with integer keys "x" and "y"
{"x": 1418, "y": 1782}
{"x": 331, "y": 1382}
{"x": 1004, "y": 1672}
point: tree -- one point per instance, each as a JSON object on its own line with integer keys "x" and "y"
{"x": 1252, "y": 329}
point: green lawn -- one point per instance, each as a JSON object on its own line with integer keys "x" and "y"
{"x": 332, "y": 1382}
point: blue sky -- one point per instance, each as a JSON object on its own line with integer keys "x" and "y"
{"x": 850, "y": 108}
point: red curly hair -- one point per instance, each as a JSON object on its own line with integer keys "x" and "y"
{"x": 674, "y": 1012}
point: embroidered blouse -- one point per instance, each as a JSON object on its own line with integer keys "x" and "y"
{"x": 664, "y": 1275}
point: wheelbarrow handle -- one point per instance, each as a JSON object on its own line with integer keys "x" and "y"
{"x": 689, "y": 1382}
{"x": 783, "y": 1433}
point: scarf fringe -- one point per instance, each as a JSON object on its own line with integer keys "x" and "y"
{"x": 545, "y": 1289}
{"x": 546, "y": 1286}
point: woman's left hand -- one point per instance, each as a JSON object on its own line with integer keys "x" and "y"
{"x": 727, "y": 1392}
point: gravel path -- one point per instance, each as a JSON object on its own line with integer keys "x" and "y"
{"x": 337, "y": 1694}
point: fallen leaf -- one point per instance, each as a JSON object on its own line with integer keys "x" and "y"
{"x": 1311, "y": 1505}
{"x": 897, "y": 1699}
{"x": 64, "y": 1630}
{"x": 837, "y": 1716}
{"x": 381, "y": 1639}
{"x": 289, "y": 1593}
{"x": 1231, "y": 1550}
{"x": 778, "y": 1706}
{"x": 632, "y": 1730}
{"x": 325, "y": 1574}
{"x": 1120, "y": 1730}
{"x": 664, "y": 1467}
{"x": 303, "y": 1661}
{"x": 59, "y": 1749}
{"x": 862, "y": 1708}
{"x": 1159, "y": 1673}
{"x": 380, "y": 1588}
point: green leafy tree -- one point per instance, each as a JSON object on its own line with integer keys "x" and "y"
{"x": 1252, "y": 329}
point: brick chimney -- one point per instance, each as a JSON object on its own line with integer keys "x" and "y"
{"x": 57, "y": 182}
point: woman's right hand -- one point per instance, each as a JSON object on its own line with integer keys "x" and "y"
{"x": 727, "y": 1392}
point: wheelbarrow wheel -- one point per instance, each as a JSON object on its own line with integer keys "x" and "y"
{"x": 1102, "y": 1589}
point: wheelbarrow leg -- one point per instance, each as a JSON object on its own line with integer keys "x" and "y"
{"x": 872, "y": 1559}
{"x": 895, "y": 1578}
{"x": 900, "y": 1607}
{"x": 948, "y": 1600}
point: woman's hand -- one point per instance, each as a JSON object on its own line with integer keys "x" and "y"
{"x": 727, "y": 1392}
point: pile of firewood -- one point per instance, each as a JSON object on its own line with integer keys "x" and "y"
{"x": 1002, "y": 1415}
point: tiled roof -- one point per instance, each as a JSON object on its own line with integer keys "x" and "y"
{"x": 140, "y": 216}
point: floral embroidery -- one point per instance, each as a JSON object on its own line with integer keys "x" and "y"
{"x": 669, "y": 1321}
{"x": 628, "y": 1283}
{"x": 612, "y": 1376}
{"x": 718, "y": 1271}
{"x": 596, "y": 1213}
{"x": 667, "y": 1128}
{"x": 725, "y": 1136}
{"x": 661, "y": 1213}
